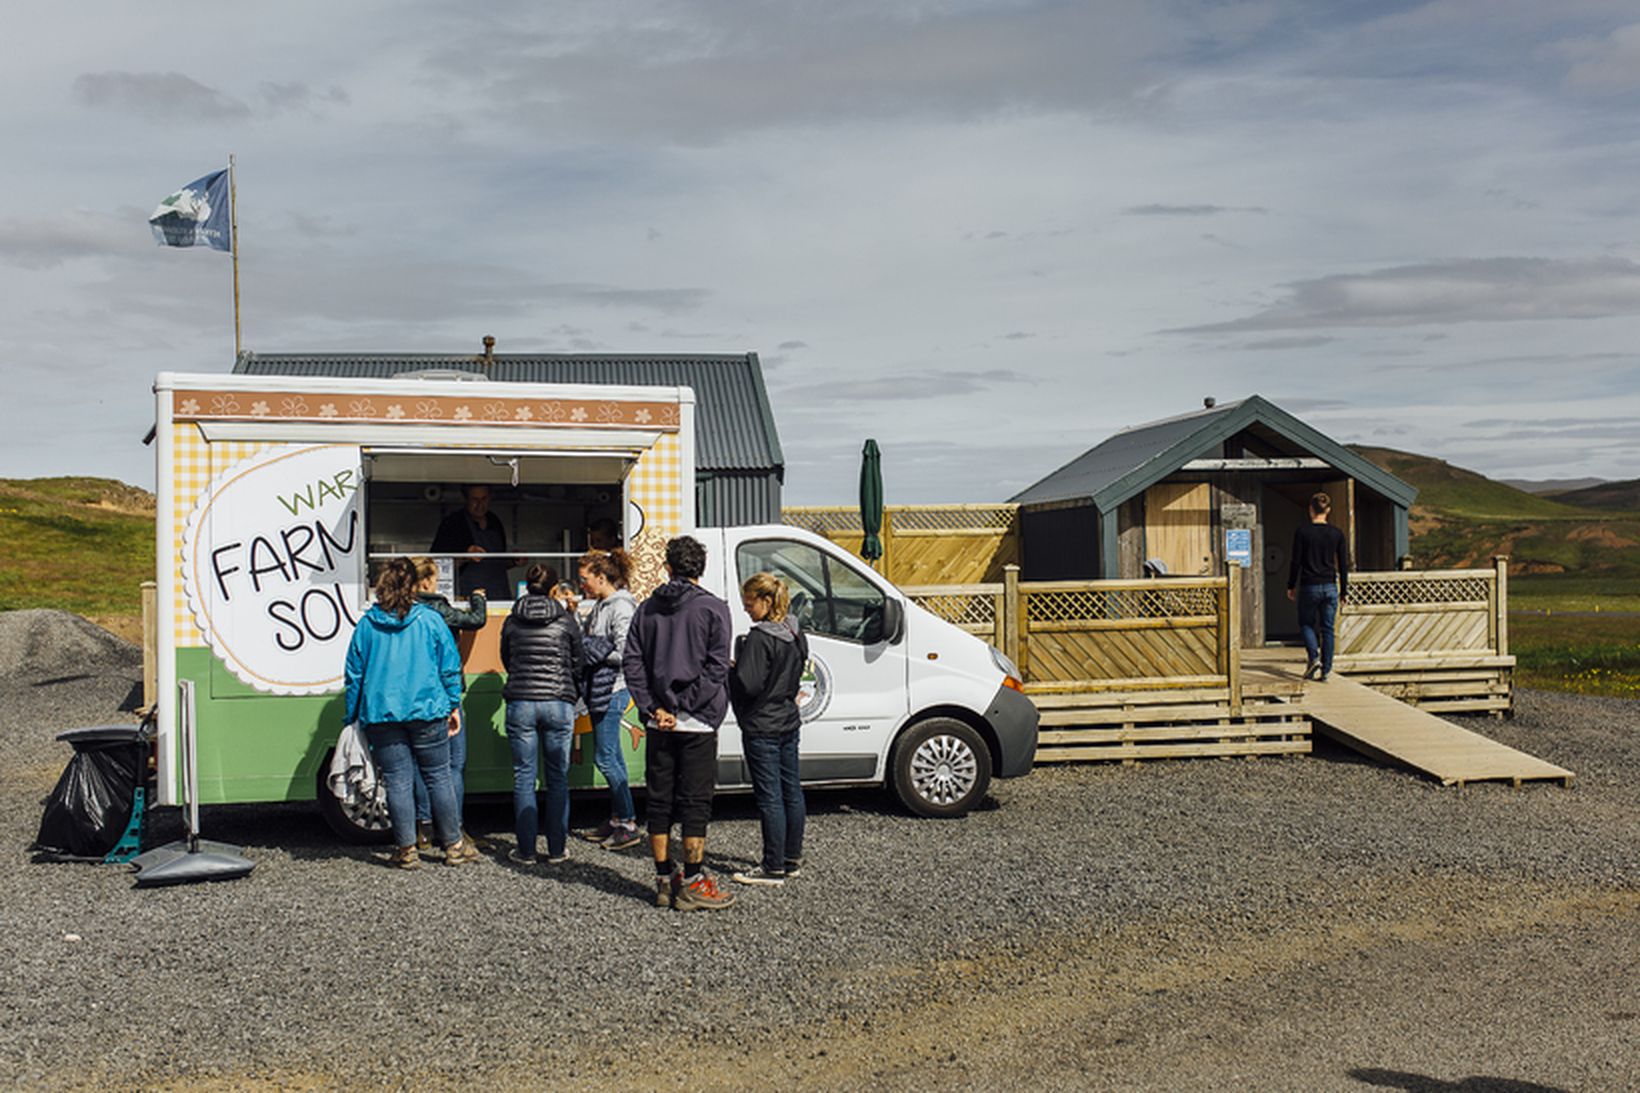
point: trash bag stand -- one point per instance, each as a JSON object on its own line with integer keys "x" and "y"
{"x": 190, "y": 860}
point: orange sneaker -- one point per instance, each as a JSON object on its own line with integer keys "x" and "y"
{"x": 702, "y": 894}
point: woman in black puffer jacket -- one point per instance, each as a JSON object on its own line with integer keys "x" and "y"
{"x": 541, "y": 651}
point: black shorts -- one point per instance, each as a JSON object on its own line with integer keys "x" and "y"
{"x": 680, "y": 772}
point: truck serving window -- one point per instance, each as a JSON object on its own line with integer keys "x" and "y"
{"x": 535, "y": 507}
{"x": 828, "y": 596}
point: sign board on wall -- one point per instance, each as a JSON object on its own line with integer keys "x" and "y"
{"x": 273, "y": 566}
{"x": 1238, "y": 546}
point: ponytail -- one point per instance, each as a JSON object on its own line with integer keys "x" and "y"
{"x": 396, "y": 586}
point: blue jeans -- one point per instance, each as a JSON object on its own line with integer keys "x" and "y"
{"x": 778, "y": 789}
{"x": 1317, "y": 608}
{"x": 611, "y": 761}
{"x": 403, "y": 748}
{"x": 458, "y": 778}
{"x": 536, "y": 728}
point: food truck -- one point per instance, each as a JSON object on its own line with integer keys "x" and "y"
{"x": 279, "y": 496}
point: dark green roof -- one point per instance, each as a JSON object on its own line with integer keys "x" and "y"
{"x": 734, "y": 424}
{"x": 1137, "y": 458}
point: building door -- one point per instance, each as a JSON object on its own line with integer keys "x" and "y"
{"x": 1179, "y": 527}
{"x": 1285, "y": 507}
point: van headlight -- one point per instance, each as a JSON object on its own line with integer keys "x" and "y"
{"x": 1004, "y": 665}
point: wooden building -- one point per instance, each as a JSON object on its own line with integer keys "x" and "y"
{"x": 1174, "y": 495}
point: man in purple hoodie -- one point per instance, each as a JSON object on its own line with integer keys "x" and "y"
{"x": 676, "y": 664}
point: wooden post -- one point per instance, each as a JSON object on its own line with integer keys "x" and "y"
{"x": 150, "y": 644}
{"x": 1010, "y": 618}
{"x": 1500, "y": 610}
{"x": 1230, "y": 619}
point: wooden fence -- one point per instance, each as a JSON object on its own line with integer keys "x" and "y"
{"x": 926, "y": 544}
{"x": 1438, "y": 639}
{"x": 1128, "y": 670}
{"x": 1152, "y": 669}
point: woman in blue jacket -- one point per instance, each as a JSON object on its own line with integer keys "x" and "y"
{"x": 403, "y": 684}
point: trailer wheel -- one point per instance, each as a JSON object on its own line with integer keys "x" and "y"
{"x": 352, "y": 823}
{"x": 941, "y": 768}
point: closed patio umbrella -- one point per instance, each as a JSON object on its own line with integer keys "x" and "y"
{"x": 871, "y": 502}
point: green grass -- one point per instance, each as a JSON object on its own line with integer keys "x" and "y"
{"x": 78, "y": 544}
{"x": 1583, "y": 654}
{"x": 1574, "y": 592}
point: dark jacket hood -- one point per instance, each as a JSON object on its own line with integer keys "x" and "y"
{"x": 538, "y": 610}
{"x": 670, "y": 597}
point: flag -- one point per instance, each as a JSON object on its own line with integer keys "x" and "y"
{"x": 196, "y": 215}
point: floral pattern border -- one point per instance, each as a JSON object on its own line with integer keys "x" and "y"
{"x": 422, "y": 410}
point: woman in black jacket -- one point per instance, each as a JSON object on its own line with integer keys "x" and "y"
{"x": 541, "y": 651}
{"x": 763, "y": 686}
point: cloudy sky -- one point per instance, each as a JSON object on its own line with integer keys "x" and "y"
{"x": 986, "y": 233}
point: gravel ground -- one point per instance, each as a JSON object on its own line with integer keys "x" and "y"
{"x": 1320, "y": 923}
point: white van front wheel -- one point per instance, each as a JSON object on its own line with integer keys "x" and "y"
{"x": 941, "y": 768}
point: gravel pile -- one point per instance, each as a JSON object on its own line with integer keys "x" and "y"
{"x": 325, "y": 967}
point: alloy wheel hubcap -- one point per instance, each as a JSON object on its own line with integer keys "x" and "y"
{"x": 943, "y": 769}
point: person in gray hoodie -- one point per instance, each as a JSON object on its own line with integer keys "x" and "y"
{"x": 603, "y": 578}
{"x": 763, "y": 688}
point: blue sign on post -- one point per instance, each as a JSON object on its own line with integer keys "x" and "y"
{"x": 1238, "y": 546}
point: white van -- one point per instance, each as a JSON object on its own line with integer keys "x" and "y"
{"x": 895, "y": 694}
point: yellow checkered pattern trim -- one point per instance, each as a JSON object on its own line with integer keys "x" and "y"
{"x": 195, "y": 464}
{"x": 657, "y": 489}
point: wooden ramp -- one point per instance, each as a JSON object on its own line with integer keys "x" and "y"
{"x": 1389, "y": 730}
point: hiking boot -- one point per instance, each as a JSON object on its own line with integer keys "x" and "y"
{"x": 702, "y": 894}
{"x": 760, "y": 876}
{"x": 405, "y": 857}
{"x": 460, "y": 852}
{"x": 601, "y": 832}
{"x": 424, "y": 834}
{"x": 666, "y": 888}
{"x": 624, "y": 837}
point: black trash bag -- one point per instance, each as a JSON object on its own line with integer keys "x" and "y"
{"x": 91, "y": 807}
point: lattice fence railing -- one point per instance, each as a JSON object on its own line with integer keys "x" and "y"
{"x": 1414, "y": 589}
{"x": 973, "y": 609}
{"x": 953, "y": 517}
{"x": 822, "y": 520}
{"x": 1109, "y": 605}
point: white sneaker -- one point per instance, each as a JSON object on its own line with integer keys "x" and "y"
{"x": 758, "y": 875}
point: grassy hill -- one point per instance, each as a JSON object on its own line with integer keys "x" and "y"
{"x": 79, "y": 544}
{"x": 1616, "y": 496}
{"x": 1462, "y": 519}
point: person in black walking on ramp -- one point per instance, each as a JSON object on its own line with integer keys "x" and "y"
{"x": 1317, "y": 579}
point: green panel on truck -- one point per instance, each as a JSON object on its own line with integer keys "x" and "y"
{"x": 260, "y": 747}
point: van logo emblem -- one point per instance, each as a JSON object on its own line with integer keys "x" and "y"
{"x": 814, "y": 692}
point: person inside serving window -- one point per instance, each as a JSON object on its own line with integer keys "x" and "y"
{"x": 474, "y": 530}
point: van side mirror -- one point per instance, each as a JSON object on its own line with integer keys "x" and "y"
{"x": 893, "y": 620}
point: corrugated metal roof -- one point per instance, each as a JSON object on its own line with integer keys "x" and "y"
{"x": 1138, "y": 457}
{"x": 735, "y": 427}
{"x": 1105, "y": 463}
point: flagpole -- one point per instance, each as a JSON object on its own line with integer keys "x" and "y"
{"x": 233, "y": 236}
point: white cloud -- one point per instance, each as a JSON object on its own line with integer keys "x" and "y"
{"x": 1476, "y": 290}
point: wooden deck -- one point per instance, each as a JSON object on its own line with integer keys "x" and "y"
{"x": 1391, "y": 731}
